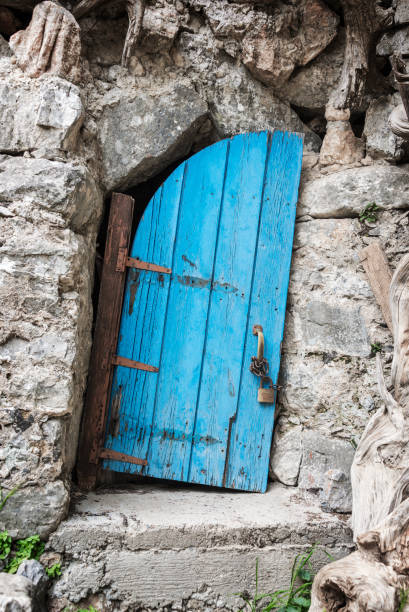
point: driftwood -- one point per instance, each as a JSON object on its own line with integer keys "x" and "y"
{"x": 136, "y": 10}
{"x": 399, "y": 119}
{"x": 364, "y": 19}
{"x": 373, "y": 577}
{"x": 377, "y": 269}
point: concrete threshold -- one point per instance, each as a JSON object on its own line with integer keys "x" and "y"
{"x": 147, "y": 547}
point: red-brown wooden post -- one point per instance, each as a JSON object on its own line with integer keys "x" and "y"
{"x": 105, "y": 338}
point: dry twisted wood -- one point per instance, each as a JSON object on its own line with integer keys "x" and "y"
{"x": 364, "y": 19}
{"x": 371, "y": 579}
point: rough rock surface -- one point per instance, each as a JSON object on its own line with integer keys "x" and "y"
{"x": 134, "y": 545}
{"x": 340, "y": 145}
{"x": 345, "y": 194}
{"x": 317, "y": 464}
{"x": 16, "y": 594}
{"x": 45, "y": 286}
{"x": 51, "y": 43}
{"x": 35, "y": 572}
{"x": 141, "y": 136}
{"x": 381, "y": 142}
{"x": 310, "y": 86}
{"x": 273, "y": 45}
{"x": 39, "y": 114}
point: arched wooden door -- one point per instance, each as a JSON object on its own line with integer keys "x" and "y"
{"x": 223, "y": 224}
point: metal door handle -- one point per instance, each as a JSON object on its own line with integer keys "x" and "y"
{"x": 259, "y": 367}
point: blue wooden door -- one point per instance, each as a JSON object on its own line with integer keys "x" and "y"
{"x": 223, "y": 223}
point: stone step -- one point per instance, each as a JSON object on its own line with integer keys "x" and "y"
{"x": 148, "y": 547}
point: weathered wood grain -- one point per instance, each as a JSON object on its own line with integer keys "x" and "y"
{"x": 142, "y": 322}
{"x": 105, "y": 339}
{"x": 223, "y": 224}
{"x": 377, "y": 269}
{"x": 252, "y": 429}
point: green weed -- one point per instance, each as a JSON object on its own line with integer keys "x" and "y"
{"x": 14, "y": 554}
{"x": 369, "y": 213}
{"x": 297, "y": 598}
{"x": 376, "y": 348}
{"x": 4, "y": 498}
{"x": 54, "y": 571}
{"x": 404, "y": 597}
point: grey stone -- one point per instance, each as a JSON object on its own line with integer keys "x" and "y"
{"x": 325, "y": 470}
{"x": 401, "y": 11}
{"x": 329, "y": 327}
{"x": 16, "y": 594}
{"x": 272, "y": 49}
{"x": 346, "y": 193}
{"x": 63, "y": 190}
{"x": 286, "y": 454}
{"x": 234, "y": 91}
{"x": 44, "y": 113}
{"x": 310, "y": 86}
{"x": 381, "y": 142}
{"x": 394, "y": 41}
{"x": 140, "y": 137}
{"x": 35, "y": 572}
{"x": 160, "y": 27}
{"x": 35, "y": 510}
{"x": 61, "y": 109}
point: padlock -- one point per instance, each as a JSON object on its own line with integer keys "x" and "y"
{"x": 266, "y": 395}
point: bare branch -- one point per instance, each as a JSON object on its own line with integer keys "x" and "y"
{"x": 136, "y": 10}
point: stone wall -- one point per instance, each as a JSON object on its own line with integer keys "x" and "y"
{"x": 203, "y": 70}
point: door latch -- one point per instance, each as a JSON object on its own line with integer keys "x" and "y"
{"x": 259, "y": 366}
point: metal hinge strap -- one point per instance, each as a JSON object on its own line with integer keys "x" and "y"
{"x": 106, "y": 453}
{"x": 144, "y": 265}
{"x": 136, "y": 365}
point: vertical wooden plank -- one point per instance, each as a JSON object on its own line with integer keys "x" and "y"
{"x": 181, "y": 359}
{"x": 251, "y": 430}
{"x": 379, "y": 274}
{"x": 229, "y": 304}
{"x": 142, "y": 324}
{"x": 105, "y": 338}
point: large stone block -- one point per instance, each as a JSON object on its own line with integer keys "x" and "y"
{"x": 275, "y": 45}
{"x": 325, "y": 470}
{"x": 56, "y": 192}
{"x": 333, "y": 328}
{"x": 39, "y": 114}
{"x": 310, "y": 86}
{"x": 35, "y": 509}
{"x": 317, "y": 463}
{"x": 346, "y": 193}
{"x": 141, "y": 136}
{"x": 234, "y": 92}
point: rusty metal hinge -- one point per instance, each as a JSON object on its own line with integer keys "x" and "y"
{"x": 106, "y": 453}
{"x": 130, "y": 363}
{"x": 123, "y": 262}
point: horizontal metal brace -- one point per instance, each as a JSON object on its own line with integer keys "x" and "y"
{"x": 144, "y": 265}
{"x": 106, "y": 453}
{"x": 136, "y": 365}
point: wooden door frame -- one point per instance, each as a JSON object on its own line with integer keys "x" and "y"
{"x": 102, "y": 360}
